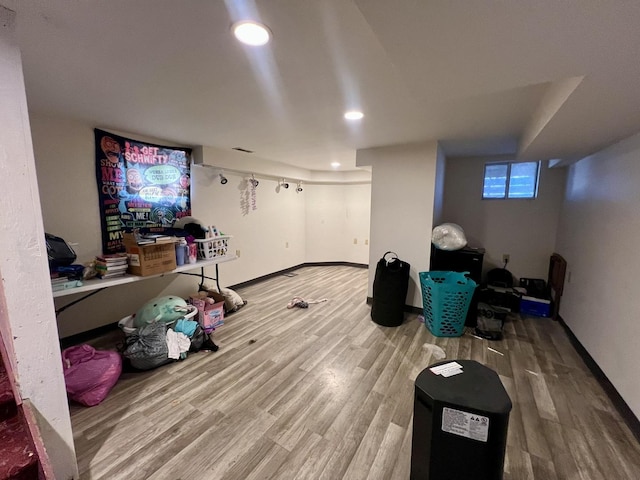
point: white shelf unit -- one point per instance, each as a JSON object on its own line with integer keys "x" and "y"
{"x": 93, "y": 286}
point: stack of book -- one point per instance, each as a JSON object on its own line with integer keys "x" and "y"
{"x": 112, "y": 265}
{"x": 62, "y": 282}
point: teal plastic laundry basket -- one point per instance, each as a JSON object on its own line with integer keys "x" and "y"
{"x": 445, "y": 300}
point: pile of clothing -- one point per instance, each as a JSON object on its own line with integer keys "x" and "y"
{"x": 161, "y": 332}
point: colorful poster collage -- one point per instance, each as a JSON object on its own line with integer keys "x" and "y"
{"x": 140, "y": 185}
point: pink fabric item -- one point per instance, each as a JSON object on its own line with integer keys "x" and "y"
{"x": 90, "y": 374}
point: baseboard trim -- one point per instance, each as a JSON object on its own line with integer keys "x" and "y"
{"x": 407, "y": 308}
{"x": 253, "y": 281}
{"x": 84, "y": 337}
{"x": 296, "y": 267}
{"x": 334, "y": 264}
{"x": 623, "y": 409}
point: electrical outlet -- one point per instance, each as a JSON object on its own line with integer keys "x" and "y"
{"x": 505, "y": 258}
{"x": 355, "y": 241}
{"x": 366, "y": 241}
{"x": 238, "y": 253}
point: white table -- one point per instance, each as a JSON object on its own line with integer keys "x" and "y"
{"x": 95, "y": 285}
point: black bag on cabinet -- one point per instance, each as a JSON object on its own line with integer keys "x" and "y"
{"x": 390, "y": 287}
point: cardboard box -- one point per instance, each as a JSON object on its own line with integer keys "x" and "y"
{"x": 538, "y": 307}
{"x": 210, "y": 310}
{"x": 149, "y": 259}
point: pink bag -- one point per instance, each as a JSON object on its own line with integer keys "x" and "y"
{"x": 90, "y": 374}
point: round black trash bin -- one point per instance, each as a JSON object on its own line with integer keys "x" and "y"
{"x": 390, "y": 286}
{"x": 459, "y": 424}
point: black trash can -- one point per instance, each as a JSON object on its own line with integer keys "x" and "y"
{"x": 390, "y": 286}
{"x": 459, "y": 424}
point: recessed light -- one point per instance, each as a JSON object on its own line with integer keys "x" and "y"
{"x": 251, "y": 33}
{"x": 335, "y": 164}
{"x": 353, "y": 115}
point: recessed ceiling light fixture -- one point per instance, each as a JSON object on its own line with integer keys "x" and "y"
{"x": 251, "y": 33}
{"x": 335, "y": 164}
{"x": 353, "y": 115}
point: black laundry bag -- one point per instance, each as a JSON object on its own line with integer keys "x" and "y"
{"x": 390, "y": 287}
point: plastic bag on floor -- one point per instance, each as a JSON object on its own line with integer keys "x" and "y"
{"x": 90, "y": 374}
{"x": 436, "y": 352}
{"x": 147, "y": 348}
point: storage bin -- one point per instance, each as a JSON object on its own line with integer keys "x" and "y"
{"x": 538, "y": 307}
{"x": 535, "y": 287}
{"x": 126, "y": 324}
{"x": 445, "y": 300}
{"x": 214, "y": 247}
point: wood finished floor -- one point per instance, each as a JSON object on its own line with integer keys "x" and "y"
{"x": 325, "y": 393}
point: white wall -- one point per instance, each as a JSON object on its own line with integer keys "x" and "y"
{"x": 358, "y": 214}
{"x": 27, "y": 314}
{"x": 438, "y": 198}
{"x": 598, "y": 237}
{"x": 524, "y": 229}
{"x": 337, "y": 223}
{"x": 402, "y": 198}
{"x": 262, "y": 234}
{"x": 65, "y": 162}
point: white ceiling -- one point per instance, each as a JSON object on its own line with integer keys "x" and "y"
{"x": 478, "y": 75}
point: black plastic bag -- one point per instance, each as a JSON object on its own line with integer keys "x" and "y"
{"x": 197, "y": 339}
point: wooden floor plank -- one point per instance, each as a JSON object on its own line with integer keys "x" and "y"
{"x": 325, "y": 393}
{"x": 386, "y": 456}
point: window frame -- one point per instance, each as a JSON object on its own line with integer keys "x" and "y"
{"x": 508, "y": 181}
